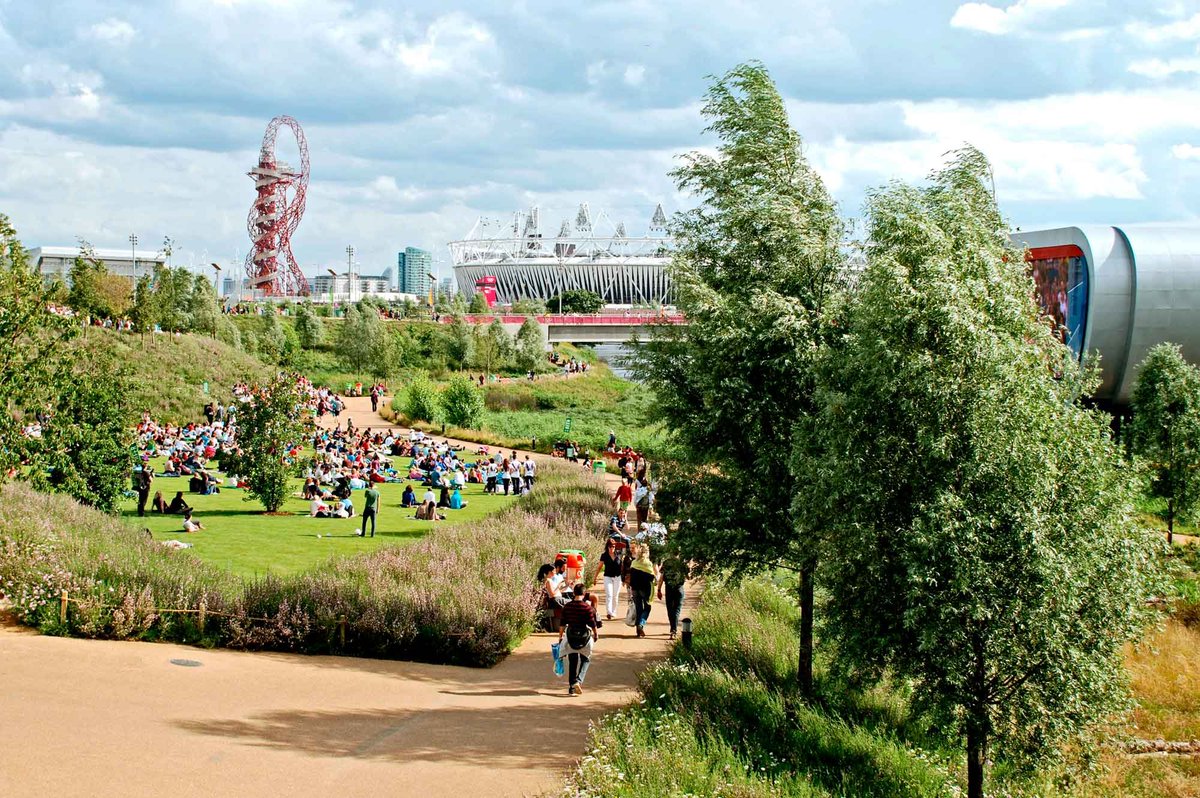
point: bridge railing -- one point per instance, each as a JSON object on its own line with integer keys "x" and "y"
{"x": 578, "y": 318}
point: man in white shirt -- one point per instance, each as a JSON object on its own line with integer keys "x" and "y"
{"x": 189, "y": 525}
{"x": 429, "y": 496}
{"x": 530, "y": 471}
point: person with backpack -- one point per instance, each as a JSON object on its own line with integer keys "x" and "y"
{"x": 581, "y": 632}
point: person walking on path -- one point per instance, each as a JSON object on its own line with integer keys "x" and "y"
{"x": 673, "y": 573}
{"x": 641, "y": 585}
{"x": 580, "y": 630}
{"x": 370, "y": 510}
{"x": 624, "y": 496}
{"x": 611, "y": 559}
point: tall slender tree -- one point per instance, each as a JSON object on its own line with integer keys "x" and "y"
{"x": 757, "y": 262}
{"x": 978, "y": 519}
{"x": 1166, "y": 429}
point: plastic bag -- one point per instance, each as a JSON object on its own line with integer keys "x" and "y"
{"x": 631, "y": 614}
{"x": 556, "y": 652}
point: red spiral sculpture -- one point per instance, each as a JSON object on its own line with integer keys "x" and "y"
{"x": 278, "y": 206}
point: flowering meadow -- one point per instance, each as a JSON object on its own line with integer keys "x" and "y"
{"x": 462, "y": 594}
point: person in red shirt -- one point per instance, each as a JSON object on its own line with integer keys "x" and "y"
{"x": 624, "y": 495}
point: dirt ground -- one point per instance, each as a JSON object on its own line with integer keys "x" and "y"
{"x": 92, "y": 717}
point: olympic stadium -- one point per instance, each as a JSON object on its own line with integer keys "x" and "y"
{"x": 1117, "y": 292}
{"x": 593, "y": 254}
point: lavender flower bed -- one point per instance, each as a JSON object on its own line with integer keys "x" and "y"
{"x": 463, "y": 595}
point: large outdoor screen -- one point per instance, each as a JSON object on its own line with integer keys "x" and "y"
{"x": 1061, "y": 277}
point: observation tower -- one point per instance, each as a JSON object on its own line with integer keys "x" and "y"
{"x": 280, "y": 191}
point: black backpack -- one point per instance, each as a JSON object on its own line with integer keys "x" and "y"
{"x": 578, "y": 635}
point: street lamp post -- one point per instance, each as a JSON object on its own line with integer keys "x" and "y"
{"x": 432, "y": 283}
{"x": 332, "y": 285}
{"x": 350, "y": 271}
{"x": 217, "y": 288}
{"x": 133, "y": 239}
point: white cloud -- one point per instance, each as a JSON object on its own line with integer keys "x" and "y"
{"x": 1186, "y": 152}
{"x": 116, "y": 31}
{"x": 999, "y": 21}
{"x": 1158, "y": 68}
{"x": 451, "y": 42}
{"x": 635, "y": 75}
{"x": 595, "y": 72}
{"x": 1179, "y": 30}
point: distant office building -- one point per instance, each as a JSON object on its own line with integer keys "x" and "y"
{"x": 57, "y": 261}
{"x": 446, "y": 286}
{"x": 322, "y": 285}
{"x": 413, "y": 267}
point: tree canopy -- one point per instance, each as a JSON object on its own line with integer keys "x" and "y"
{"x": 756, "y": 262}
{"x": 1166, "y": 429}
{"x": 977, "y": 518}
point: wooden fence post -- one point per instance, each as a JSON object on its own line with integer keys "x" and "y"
{"x": 342, "y": 630}
{"x": 62, "y": 607}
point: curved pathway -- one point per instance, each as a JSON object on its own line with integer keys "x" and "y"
{"x": 96, "y": 717}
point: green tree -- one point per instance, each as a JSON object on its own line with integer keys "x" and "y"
{"x": 309, "y": 327}
{"x": 977, "y": 518}
{"x": 204, "y": 308}
{"x": 462, "y": 403}
{"x": 458, "y": 342}
{"x": 269, "y": 425}
{"x": 173, "y": 293}
{"x": 84, "y": 295}
{"x": 144, "y": 311}
{"x": 271, "y": 339}
{"x": 229, "y": 334}
{"x": 478, "y": 306}
{"x": 36, "y": 359}
{"x": 1166, "y": 430}
{"x": 86, "y": 448}
{"x": 421, "y": 401}
{"x": 757, "y": 262}
{"x": 529, "y": 307}
{"x": 581, "y": 301}
{"x": 492, "y": 346}
{"x": 529, "y": 347}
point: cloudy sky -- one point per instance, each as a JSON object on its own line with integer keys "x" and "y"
{"x": 132, "y": 117}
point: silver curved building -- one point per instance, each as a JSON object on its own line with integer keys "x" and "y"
{"x": 593, "y": 255}
{"x": 1118, "y": 291}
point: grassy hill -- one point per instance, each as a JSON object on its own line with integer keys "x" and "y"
{"x": 170, "y": 373}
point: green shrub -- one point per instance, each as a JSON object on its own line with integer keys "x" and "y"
{"x": 462, "y": 403}
{"x": 421, "y": 401}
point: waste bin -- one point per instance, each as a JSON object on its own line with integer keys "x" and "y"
{"x": 598, "y": 467}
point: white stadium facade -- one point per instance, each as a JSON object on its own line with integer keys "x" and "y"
{"x": 593, "y": 254}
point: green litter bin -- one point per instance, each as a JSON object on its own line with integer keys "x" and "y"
{"x": 598, "y": 467}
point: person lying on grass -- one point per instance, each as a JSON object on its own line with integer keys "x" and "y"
{"x": 190, "y": 525}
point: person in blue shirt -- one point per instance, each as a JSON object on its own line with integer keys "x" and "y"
{"x": 409, "y": 499}
{"x": 456, "y": 500}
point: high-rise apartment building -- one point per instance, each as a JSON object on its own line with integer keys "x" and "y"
{"x": 413, "y": 267}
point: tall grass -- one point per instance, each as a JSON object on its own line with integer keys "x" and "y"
{"x": 725, "y": 718}
{"x": 463, "y": 595}
{"x": 174, "y": 377}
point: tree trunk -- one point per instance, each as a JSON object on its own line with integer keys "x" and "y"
{"x": 1170, "y": 521}
{"x": 805, "y": 675}
{"x": 976, "y": 755}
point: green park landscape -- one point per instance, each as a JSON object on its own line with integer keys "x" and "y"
{"x": 927, "y": 565}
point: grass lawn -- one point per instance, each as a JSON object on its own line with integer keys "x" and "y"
{"x": 238, "y": 536}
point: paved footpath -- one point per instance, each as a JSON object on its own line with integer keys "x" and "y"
{"x": 95, "y": 717}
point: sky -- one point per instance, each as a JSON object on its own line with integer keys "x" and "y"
{"x": 133, "y": 117}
